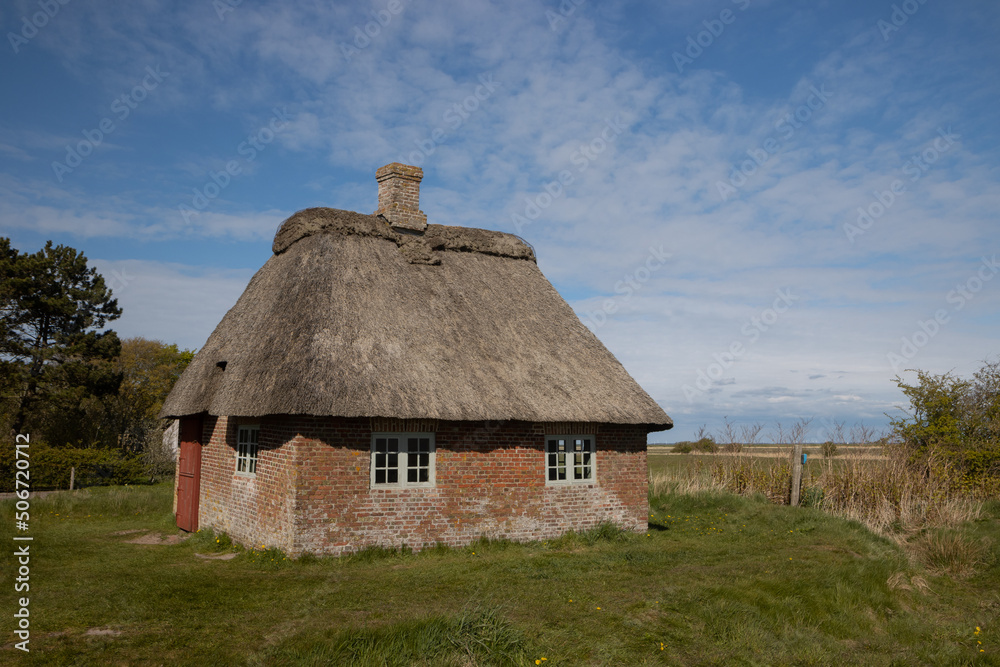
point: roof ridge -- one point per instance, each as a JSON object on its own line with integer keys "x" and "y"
{"x": 322, "y": 220}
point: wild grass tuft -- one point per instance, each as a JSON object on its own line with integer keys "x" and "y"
{"x": 952, "y": 552}
{"x": 605, "y": 531}
{"x": 480, "y": 636}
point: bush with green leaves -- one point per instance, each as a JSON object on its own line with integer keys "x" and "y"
{"x": 952, "y": 426}
{"x": 50, "y": 467}
{"x": 706, "y": 445}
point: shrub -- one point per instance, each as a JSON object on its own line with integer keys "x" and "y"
{"x": 952, "y": 427}
{"x": 50, "y": 467}
{"x": 828, "y": 449}
{"x": 706, "y": 445}
{"x": 684, "y": 447}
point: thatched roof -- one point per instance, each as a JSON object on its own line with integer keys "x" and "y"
{"x": 352, "y": 318}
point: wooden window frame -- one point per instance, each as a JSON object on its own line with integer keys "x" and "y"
{"x": 405, "y": 464}
{"x": 248, "y": 451}
{"x": 584, "y": 459}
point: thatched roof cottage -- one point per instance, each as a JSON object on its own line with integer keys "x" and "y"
{"x": 383, "y": 381}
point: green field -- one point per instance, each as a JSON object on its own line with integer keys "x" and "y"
{"x": 718, "y": 579}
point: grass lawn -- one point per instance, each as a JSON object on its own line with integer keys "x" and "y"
{"x": 718, "y": 579}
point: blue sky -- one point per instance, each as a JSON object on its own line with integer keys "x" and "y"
{"x": 766, "y": 210}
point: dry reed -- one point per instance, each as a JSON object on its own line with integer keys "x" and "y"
{"x": 886, "y": 494}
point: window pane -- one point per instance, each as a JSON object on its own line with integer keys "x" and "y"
{"x": 393, "y": 444}
{"x": 380, "y": 476}
{"x": 393, "y": 460}
{"x": 379, "y": 444}
{"x": 411, "y": 475}
{"x": 393, "y": 476}
{"x": 424, "y": 475}
{"x": 412, "y": 460}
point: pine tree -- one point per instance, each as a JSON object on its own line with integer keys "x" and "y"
{"x": 55, "y": 357}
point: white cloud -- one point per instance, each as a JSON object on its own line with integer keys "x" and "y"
{"x": 171, "y": 302}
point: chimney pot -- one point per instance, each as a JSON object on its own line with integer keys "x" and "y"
{"x": 399, "y": 196}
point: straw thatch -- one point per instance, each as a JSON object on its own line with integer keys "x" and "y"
{"x": 351, "y": 318}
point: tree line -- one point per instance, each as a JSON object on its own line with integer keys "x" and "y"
{"x": 65, "y": 377}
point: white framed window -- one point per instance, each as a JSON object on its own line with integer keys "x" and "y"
{"x": 247, "y": 443}
{"x": 402, "y": 459}
{"x": 570, "y": 459}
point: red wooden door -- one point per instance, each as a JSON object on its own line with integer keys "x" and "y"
{"x": 189, "y": 473}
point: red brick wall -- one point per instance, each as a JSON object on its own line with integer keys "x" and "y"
{"x": 313, "y": 492}
{"x": 254, "y": 510}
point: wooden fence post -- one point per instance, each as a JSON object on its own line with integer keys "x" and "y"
{"x": 72, "y": 474}
{"x": 796, "y": 474}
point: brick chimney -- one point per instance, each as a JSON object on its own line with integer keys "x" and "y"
{"x": 399, "y": 196}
